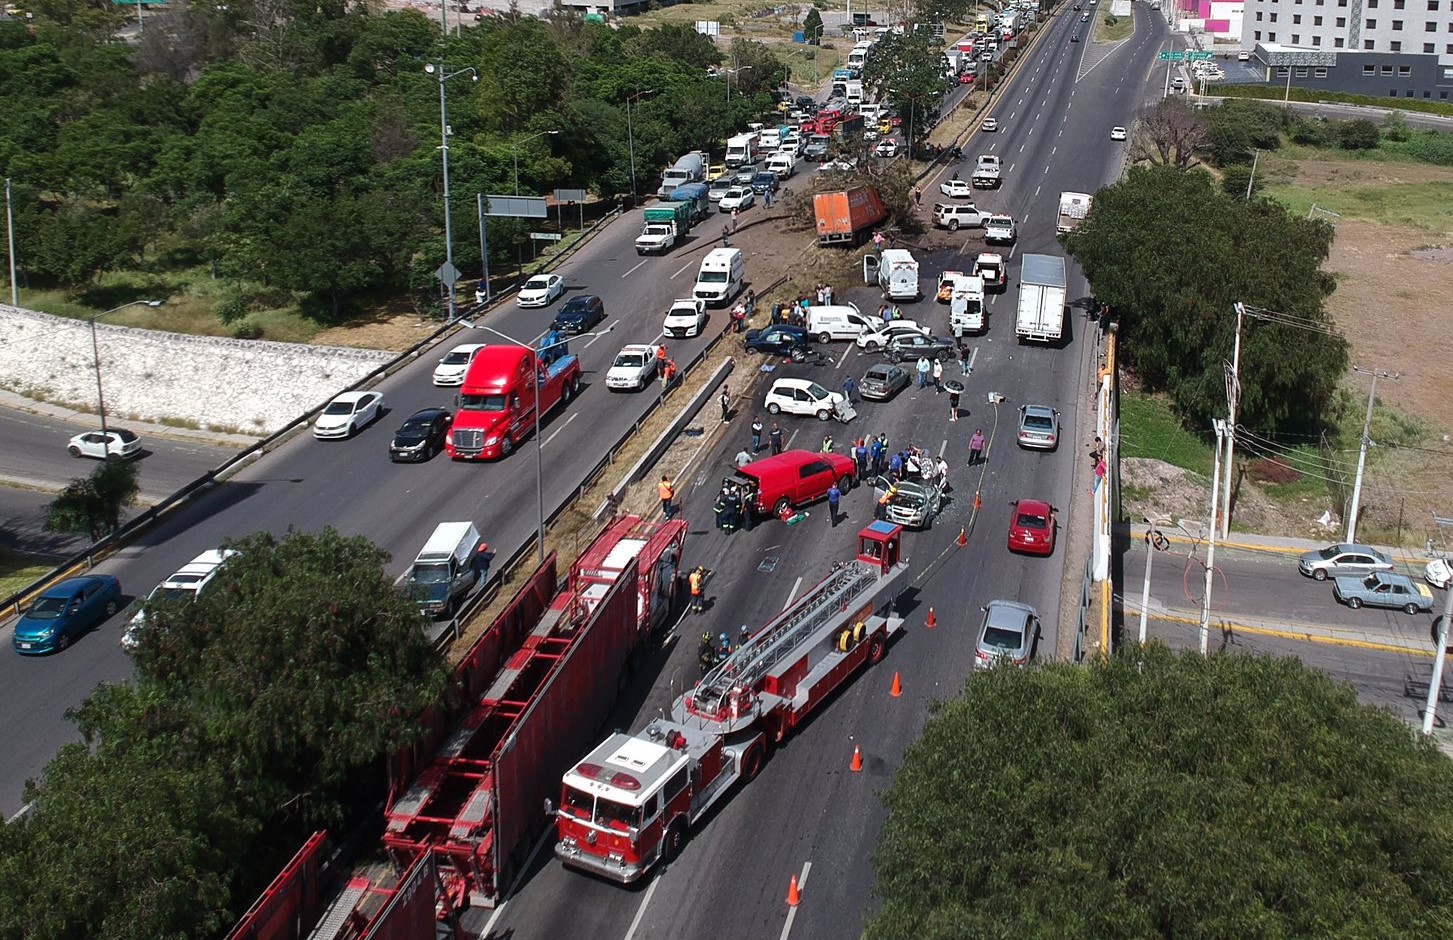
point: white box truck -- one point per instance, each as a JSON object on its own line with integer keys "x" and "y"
{"x": 1041, "y": 315}
{"x": 447, "y": 568}
{"x": 1073, "y": 207}
{"x": 742, "y": 149}
{"x": 721, "y": 276}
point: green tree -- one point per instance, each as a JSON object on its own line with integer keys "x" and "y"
{"x": 907, "y": 71}
{"x": 1238, "y": 127}
{"x": 522, "y": 75}
{"x": 1172, "y": 256}
{"x": 812, "y": 27}
{"x": 1395, "y": 127}
{"x": 93, "y": 506}
{"x": 1166, "y": 796}
{"x": 1235, "y": 180}
{"x": 301, "y": 662}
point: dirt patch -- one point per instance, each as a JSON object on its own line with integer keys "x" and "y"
{"x": 1157, "y": 490}
{"x": 1318, "y": 174}
{"x": 391, "y": 331}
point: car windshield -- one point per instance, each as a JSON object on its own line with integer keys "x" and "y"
{"x": 876, "y": 375}
{"x": 707, "y": 277}
{"x": 615, "y": 815}
{"x": 1037, "y": 423}
{"x": 416, "y": 426}
{"x": 630, "y": 360}
{"x": 47, "y": 608}
{"x": 1330, "y": 552}
{"x": 339, "y": 408}
{"x": 817, "y": 391}
{"x": 1031, "y": 520}
{"x": 1001, "y": 639}
{"x": 482, "y": 402}
{"x": 578, "y": 804}
{"x": 175, "y": 593}
{"x": 536, "y": 283}
{"x": 578, "y": 305}
{"x": 431, "y": 574}
{"x": 455, "y": 358}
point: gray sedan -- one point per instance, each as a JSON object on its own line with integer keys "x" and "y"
{"x": 1007, "y": 635}
{"x": 882, "y": 381}
{"x": 1343, "y": 560}
{"x": 914, "y": 504}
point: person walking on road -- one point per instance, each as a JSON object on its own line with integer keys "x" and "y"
{"x": 726, "y": 404}
{"x": 667, "y": 492}
{"x": 726, "y": 234}
{"x": 938, "y": 376}
{"x": 878, "y": 244}
{"x": 661, "y": 360}
{"x": 756, "y": 435}
{"x": 976, "y": 447}
{"x": 924, "y": 368}
{"x": 736, "y": 215}
{"x": 942, "y": 468}
{"x": 953, "y": 405}
{"x": 834, "y": 499}
{"x": 697, "y": 580}
{"x": 964, "y": 368}
{"x": 850, "y": 389}
{"x": 775, "y": 437}
{"x": 860, "y": 457}
{"x": 876, "y": 452}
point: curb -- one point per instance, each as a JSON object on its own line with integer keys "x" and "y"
{"x": 1286, "y": 629}
{"x": 1138, "y": 531}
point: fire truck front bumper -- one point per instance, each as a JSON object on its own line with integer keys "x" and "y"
{"x": 611, "y": 868}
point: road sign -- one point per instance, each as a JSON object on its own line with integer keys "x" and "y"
{"x": 448, "y": 274}
{"x": 1199, "y": 56}
{"x": 1171, "y": 56}
{"x": 545, "y": 236}
{"x": 569, "y": 195}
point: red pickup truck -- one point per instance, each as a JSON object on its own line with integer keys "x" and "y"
{"x": 497, "y": 406}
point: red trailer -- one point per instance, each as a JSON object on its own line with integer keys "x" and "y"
{"x": 630, "y": 802}
{"x": 478, "y": 807}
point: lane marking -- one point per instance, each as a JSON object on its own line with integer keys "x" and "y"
{"x": 640, "y": 911}
{"x": 844, "y": 357}
{"x": 792, "y": 911}
{"x": 524, "y": 870}
{"x": 788, "y": 603}
{"x": 557, "y": 431}
{"x": 680, "y": 269}
{"x": 637, "y": 265}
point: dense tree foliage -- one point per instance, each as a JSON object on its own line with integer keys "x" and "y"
{"x": 906, "y": 70}
{"x": 1187, "y": 797}
{"x": 94, "y": 505}
{"x": 1172, "y": 256}
{"x": 293, "y": 146}
{"x": 259, "y": 712}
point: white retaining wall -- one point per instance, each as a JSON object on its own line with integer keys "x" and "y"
{"x": 249, "y": 386}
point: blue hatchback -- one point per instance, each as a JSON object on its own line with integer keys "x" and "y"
{"x": 66, "y": 611}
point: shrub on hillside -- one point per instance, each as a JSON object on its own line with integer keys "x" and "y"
{"x": 1360, "y": 134}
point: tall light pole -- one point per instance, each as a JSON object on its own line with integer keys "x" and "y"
{"x": 729, "y": 74}
{"x": 516, "y": 146}
{"x": 96, "y": 352}
{"x": 444, "y": 132}
{"x": 539, "y": 437}
{"x": 1435, "y": 684}
{"x": 631, "y": 137}
{"x": 1220, "y": 428}
{"x": 1366, "y": 442}
{"x": 1233, "y": 402}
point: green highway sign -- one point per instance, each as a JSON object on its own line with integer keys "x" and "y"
{"x": 1171, "y": 56}
{"x": 1193, "y": 56}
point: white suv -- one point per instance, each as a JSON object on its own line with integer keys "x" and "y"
{"x": 685, "y": 318}
{"x": 633, "y": 369}
{"x": 952, "y": 217}
{"x": 186, "y": 584}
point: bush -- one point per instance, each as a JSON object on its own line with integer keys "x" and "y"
{"x": 247, "y": 331}
{"x": 1310, "y": 132}
{"x": 232, "y": 308}
{"x": 1360, "y": 134}
{"x": 1235, "y": 178}
{"x": 1430, "y": 147}
{"x": 1395, "y": 127}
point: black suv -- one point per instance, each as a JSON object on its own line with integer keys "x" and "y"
{"x": 780, "y": 339}
{"x": 907, "y": 346}
{"x": 764, "y": 182}
{"x": 580, "y": 314}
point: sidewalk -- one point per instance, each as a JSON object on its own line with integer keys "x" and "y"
{"x": 87, "y": 420}
{"x": 1191, "y": 533}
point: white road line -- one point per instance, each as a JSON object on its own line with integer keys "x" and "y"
{"x": 557, "y": 431}
{"x": 591, "y": 340}
{"x": 640, "y": 911}
{"x": 941, "y": 448}
{"x": 1054, "y": 150}
{"x": 680, "y": 269}
{"x": 844, "y": 357}
{"x": 637, "y": 265}
{"x": 788, "y": 603}
{"x": 792, "y": 911}
{"x": 791, "y": 437}
{"x": 524, "y": 870}
{"x": 973, "y": 355}
{"x": 1012, "y": 166}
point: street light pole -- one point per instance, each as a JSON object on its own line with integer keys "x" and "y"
{"x": 729, "y": 74}
{"x": 96, "y": 353}
{"x": 1435, "y": 685}
{"x": 516, "y": 146}
{"x": 539, "y": 438}
{"x": 1366, "y": 442}
{"x": 1220, "y": 428}
{"x": 631, "y": 137}
{"x": 444, "y": 155}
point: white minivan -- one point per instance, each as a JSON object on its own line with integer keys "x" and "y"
{"x": 722, "y": 273}
{"x": 839, "y": 321}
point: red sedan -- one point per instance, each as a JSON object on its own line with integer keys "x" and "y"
{"x": 1031, "y": 527}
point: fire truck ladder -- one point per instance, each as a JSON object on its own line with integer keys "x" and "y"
{"x": 786, "y": 635}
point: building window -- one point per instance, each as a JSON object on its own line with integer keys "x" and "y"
{"x": 1371, "y": 24}
{"x": 1427, "y": 94}
{"x": 1337, "y": 42}
{"x": 1302, "y": 72}
{"x": 1296, "y": 39}
{"x": 1316, "y": 40}
{"x": 1428, "y": 48}
{"x": 1297, "y": 19}
{"x": 1387, "y": 70}
{"x": 1281, "y": 71}
{"x": 1258, "y": 35}
{"x": 1341, "y": 22}
{"x": 1432, "y": 6}
{"x": 1372, "y": 4}
{"x": 1369, "y": 69}
{"x": 1397, "y": 26}
{"x": 1430, "y": 27}
{"x": 1443, "y": 96}
{"x": 1367, "y": 45}
{"x": 1398, "y": 4}
{"x": 1271, "y": 37}
{"x": 1404, "y": 71}
{"x": 1319, "y": 73}
{"x": 1258, "y": 16}
{"x": 1316, "y": 21}
{"x": 1448, "y": 49}
{"x": 1273, "y": 17}
{"x": 1395, "y": 46}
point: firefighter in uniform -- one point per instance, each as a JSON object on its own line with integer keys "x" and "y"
{"x": 733, "y": 518}
{"x": 706, "y": 652}
{"x": 719, "y": 509}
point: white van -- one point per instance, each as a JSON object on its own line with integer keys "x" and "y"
{"x": 895, "y": 273}
{"x": 783, "y": 163}
{"x": 721, "y": 275}
{"x": 839, "y": 321}
{"x": 966, "y": 305}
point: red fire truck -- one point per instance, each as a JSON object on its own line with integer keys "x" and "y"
{"x": 480, "y": 803}
{"x": 630, "y": 802}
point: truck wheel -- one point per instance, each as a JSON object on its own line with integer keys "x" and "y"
{"x": 953, "y": 225}
{"x": 783, "y": 505}
{"x": 674, "y": 841}
{"x": 876, "y": 649}
{"x": 506, "y": 446}
{"x": 824, "y": 338}
{"x": 753, "y": 760}
{"x": 774, "y": 409}
{"x": 565, "y": 394}
{"x": 1354, "y": 602}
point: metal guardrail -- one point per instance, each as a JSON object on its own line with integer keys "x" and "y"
{"x": 92, "y": 553}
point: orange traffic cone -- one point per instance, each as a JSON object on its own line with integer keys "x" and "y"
{"x": 857, "y": 765}
{"x": 932, "y": 620}
{"x": 978, "y": 502}
{"x": 794, "y": 897}
{"x": 897, "y": 689}
{"x": 963, "y": 538}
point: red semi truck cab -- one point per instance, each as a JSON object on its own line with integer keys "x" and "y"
{"x": 497, "y": 407}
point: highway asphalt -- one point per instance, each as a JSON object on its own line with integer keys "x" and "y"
{"x": 807, "y": 814}
{"x": 35, "y": 455}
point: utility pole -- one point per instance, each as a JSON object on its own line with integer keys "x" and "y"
{"x": 1255, "y": 156}
{"x": 1152, "y": 540}
{"x": 1435, "y": 685}
{"x": 1220, "y": 428}
{"x": 1366, "y": 442}
{"x": 1233, "y": 403}
{"x": 10, "y": 237}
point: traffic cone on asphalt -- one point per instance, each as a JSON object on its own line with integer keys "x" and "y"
{"x": 857, "y": 765}
{"x": 794, "y": 897}
{"x": 897, "y": 689}
{"x": 963, "y": 538}
{"x": 932, "y": 620}
{"x": 978, "y": 502}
